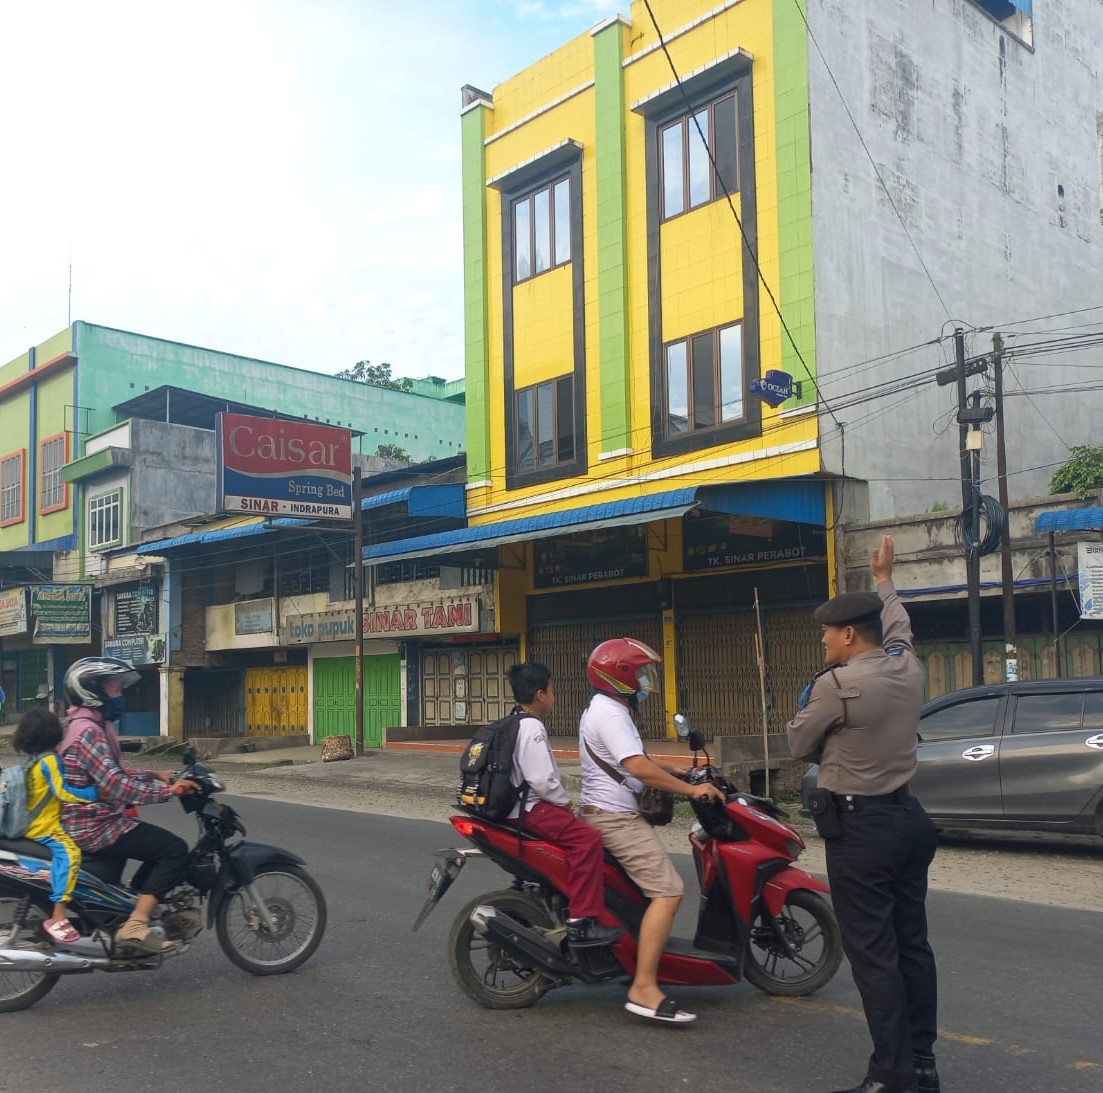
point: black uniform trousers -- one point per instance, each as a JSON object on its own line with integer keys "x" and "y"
{"x": 878, "y": 875}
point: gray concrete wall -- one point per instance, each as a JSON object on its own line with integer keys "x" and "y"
{"x": 973, "y": 133}
{"x": 928, "y": 558}
{"x": 172, "y": 475}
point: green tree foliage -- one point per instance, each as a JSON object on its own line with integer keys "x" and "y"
{"x": 1082, "y": 473}
{"x": 377, "y": 375}
{"x": 393, "y": 451}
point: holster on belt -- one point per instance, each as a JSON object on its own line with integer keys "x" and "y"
{"x": 825, "y": 813}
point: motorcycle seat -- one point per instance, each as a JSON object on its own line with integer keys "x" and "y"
{"x": 106, "y": 869}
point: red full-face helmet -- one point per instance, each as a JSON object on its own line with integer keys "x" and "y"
{"x": 622, "y": 667}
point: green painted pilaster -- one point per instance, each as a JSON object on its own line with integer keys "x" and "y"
{"x": 794, "y": 192}
{"x": 612, "y": 237}
{"x": 475, "y": 285}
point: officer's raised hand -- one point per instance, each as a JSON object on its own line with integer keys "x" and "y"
{"x": 881, "y": 559}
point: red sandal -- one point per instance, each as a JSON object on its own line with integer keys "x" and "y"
{"x": 61, "y": 930}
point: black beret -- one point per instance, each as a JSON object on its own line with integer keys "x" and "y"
{"x": 848, "y": 607}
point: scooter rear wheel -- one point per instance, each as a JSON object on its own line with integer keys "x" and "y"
{"x": 497, "y": 980}
{"x": 808, "y": 925}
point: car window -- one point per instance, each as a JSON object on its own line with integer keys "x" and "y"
{"x": 1048, "y": 713}
{"x": 1093, "y": 711}
{"x": 963, "y": 719}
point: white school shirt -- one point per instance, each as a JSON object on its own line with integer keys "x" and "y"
{"x": 608, "y": 729}
{"x": 534, "y": 763}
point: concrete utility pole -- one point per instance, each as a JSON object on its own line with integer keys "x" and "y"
{"x": 970, "y": 489}
{"x": 358, "y": 596}
{"x": 1007, "y": 576}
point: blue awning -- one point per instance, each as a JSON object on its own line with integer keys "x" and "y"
{"x": 1070, "y": 520}
{"x": 446, "y": 499}
{"x": 793, "y": 500}
{"x": 636, "y": 510}
{"x": 443, "y": 500}
{"x": 220, "y": 535}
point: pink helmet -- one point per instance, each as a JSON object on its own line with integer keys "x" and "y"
{"x": 622, "y": 667}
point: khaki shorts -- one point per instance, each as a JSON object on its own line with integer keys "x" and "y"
{"x": 636, "y": 845}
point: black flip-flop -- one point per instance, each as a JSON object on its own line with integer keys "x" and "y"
{"x": 666, "y": 1012}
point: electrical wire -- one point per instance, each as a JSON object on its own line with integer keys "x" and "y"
{"x": 731, "y": 206}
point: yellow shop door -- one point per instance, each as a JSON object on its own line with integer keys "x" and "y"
{"x": 275, "y": 701}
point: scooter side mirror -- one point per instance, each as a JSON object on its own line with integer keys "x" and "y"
{"x": 685, "y": 730}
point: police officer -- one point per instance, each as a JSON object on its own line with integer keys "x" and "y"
{"x": 859, "y": 720}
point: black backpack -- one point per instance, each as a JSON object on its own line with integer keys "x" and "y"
{"x": 486, "y": 765}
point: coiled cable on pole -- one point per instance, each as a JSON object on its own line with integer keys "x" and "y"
{"x": 993, "y": 519}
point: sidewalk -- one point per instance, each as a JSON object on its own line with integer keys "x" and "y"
{"x": 428, "y": 764}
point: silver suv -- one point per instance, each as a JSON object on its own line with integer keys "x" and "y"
{"x": 1025, "y": 756}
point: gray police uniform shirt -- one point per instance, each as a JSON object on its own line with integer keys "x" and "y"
{"x": 861, "y": 720}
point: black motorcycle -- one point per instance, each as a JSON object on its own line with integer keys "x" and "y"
{"x": 268, "y": 912}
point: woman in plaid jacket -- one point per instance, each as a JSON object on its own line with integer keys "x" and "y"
{"x": 91, "y": 756}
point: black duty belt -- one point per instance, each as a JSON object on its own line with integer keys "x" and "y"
{"x": 855, "y": 802}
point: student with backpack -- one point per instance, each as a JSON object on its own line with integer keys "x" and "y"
{"x": 549, "y": 811}
{"x": 37, "y": 735}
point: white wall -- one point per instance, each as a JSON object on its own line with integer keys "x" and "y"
{"x": 973, "y": 133}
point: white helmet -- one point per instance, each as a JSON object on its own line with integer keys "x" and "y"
{"x": 84, "y": 679}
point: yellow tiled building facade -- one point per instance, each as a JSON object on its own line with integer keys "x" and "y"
{"x": 637, "y": 213}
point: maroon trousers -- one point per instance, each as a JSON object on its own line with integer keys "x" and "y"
{"x": 585, "y": 855}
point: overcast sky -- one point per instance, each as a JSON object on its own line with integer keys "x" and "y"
{"x": 275, "y": 178}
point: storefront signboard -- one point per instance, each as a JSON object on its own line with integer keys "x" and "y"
{"x": 253, "y": 617}
{"x": 62, "y": 613}
{"x": 283, "y": 468}
{"x": 319, "y": 626}
{"x": 1089, "y": 566}
{"x": 135, "y": 612}
{"x": 604, "y": 554}
{"x": 739, "y": 542}
{"x": 139, "y": 649}
{"x": 13, "y": 611}
{"x": 451, "y": 616}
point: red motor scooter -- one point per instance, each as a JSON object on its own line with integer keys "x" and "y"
{"x": 760, "y": 918}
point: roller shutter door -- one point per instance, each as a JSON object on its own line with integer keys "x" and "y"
{"x": 564, "y": 647}
{"x": 718, "y": 684}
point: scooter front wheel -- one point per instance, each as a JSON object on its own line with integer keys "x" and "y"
{"x": 296, "y": 909}
{"x": 809, "y": 955}
{"x": 19, "y": 990}
{"x": 494, "y": 978}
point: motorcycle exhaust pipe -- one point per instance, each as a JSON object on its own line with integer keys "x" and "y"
{"x": 29, "y": 960}
{"x": 491, "y": 923}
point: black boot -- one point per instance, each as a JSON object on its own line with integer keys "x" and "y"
{"x": 584, "y": 933}
{"x": 926, "y": 1076}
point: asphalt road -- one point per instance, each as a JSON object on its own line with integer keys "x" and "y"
{"x": 375, "y": 1009}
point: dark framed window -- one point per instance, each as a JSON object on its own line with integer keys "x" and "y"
{"x": 399, "y": 572}
{"x": 542, "y": 230}
{"x": 703, "y": 380}
{"x": 961, "y": 721}
{"x": 1048, "y": 713}
{"x": 544, "y": 417}
{"x": 688, "y": 179}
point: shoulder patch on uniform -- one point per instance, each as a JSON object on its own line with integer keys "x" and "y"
{"x": 895, "y": 650}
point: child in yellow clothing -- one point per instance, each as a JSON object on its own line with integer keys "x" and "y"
{"x": 39, "y": 733}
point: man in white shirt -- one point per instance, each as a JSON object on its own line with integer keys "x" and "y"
{"x": 615, "y": 769}
{"x": 549, "y": 811}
